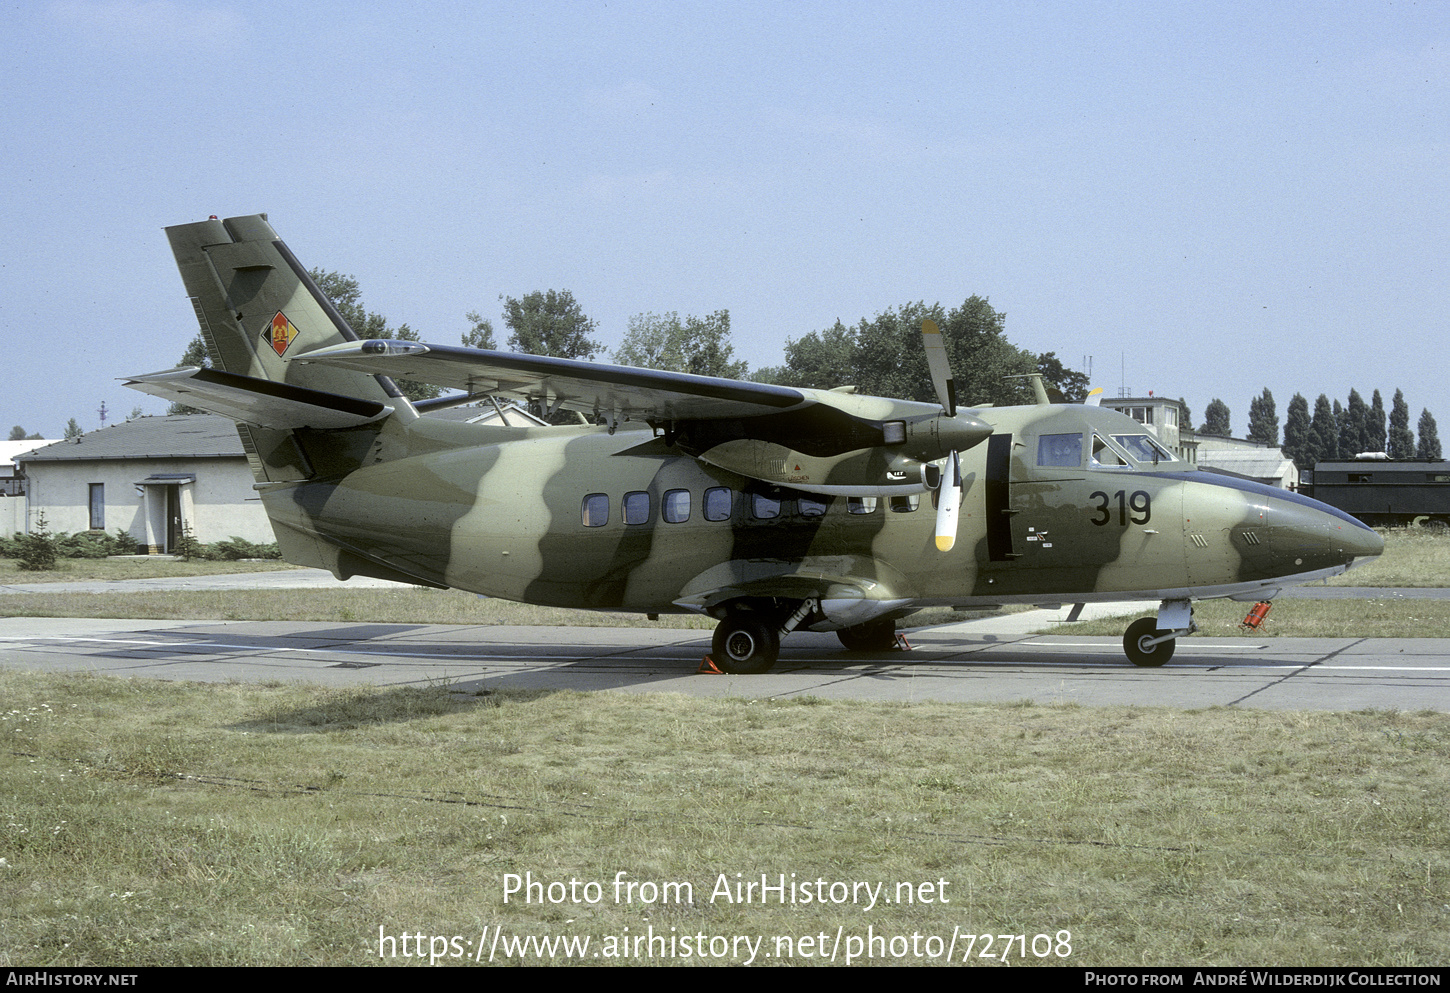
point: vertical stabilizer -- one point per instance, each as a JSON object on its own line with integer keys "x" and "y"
{"x": 259, "y": 310}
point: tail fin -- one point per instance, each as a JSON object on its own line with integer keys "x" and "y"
{"x": 259, "y": 310}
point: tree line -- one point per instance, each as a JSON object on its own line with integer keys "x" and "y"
{"x": 1333, "y": 430}
{"x": 880, "y": 356}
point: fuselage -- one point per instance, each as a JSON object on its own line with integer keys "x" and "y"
{"x": 1060, "y": 504}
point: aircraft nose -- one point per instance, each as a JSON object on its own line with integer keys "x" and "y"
{"x": 1320, "y": 536}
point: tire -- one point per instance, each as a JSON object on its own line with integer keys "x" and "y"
{"x": 1151, "y": 656}
{"x": 744, "y": 644}
{"x": 873, "y": 636}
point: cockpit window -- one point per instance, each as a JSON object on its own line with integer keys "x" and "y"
{"x": 1144, "y": 449}
{"x": 1106, "y": 455}
{"x": 1060, "y": 450}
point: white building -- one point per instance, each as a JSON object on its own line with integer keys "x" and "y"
{"x": 147, "y": 477}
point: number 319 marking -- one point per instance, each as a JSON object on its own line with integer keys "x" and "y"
{"x": 1139, "y": 504}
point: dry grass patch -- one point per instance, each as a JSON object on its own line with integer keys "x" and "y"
{"x": 164, "y": 823}
{"x": 1412, "y": 557}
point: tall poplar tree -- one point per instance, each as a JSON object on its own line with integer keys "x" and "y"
{"x": 1429, "y": 446}
{"x": 1296, "y": 431}
{"x": 1401, "y": 441}
{"x": 1374, "y": 425}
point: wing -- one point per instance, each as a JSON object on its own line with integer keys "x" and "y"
{"x": 819, "y": 441}
{"x": 610, "y": 391}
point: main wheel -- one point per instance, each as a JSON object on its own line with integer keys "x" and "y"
{"x": 1148, "y": 656}
{"x": 873, "y": 636}
{"x": 745, "y": 644}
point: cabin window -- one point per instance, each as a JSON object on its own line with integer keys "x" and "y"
{"x": 98, "y": 506}
{"x": 717, "y": 503}
{"x": 596, "y": 510}
{"x": 905, "y": 504}
{"x": 810, "y": 506}
{"x": 1060, "y": 450}
{"x": 676, "y": 506}
{"x": 861, "y": 505}
{"x": 764, "y": 507}
{"x": 636, "y": 507}
{"x": 1359, "y": 477}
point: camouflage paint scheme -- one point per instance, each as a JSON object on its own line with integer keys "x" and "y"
{"x": 1059, "y": 504}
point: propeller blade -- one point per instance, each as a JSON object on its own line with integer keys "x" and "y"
{"x": 949, "y": 503}
{"x": 941, "y": 368}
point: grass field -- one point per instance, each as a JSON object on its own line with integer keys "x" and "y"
{"x": 152, "y": 823}
{"x": 166, "y": 823}
{"x": 122, "y": 567}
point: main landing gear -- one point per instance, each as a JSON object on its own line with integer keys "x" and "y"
{"x": 747, "y": 639}
{"x": 745, "y": 643}
{"x": 1150, "y": 641}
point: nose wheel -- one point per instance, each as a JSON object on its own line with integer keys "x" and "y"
{"x": 1139, "y": 643}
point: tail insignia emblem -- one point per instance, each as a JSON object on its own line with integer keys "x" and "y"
{"x": 280, "y": 333}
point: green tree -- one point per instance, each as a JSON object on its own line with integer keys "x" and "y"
{"x": 1264, "y": 419}
{"x": 1187, "y": 420}
{"x": 1401, "y": 441}
{"x": 884, "y": 356}
{"x": 1429, "y": 446}
{"x": 17, "y": 433}
{"x": 37, "y": 548}
{"x": 1342, "y": 433}
{"x": 821, "y": 359}
{"x": 549, "y": 323}
{"x": 1296, "y": 431}
{"x": 1374, "y": 424}
{"x": 1073, "y": 386}
{"x": 1353, "y": 437}
{"x": 73, "y": 429}
{"x": 1216, "y": 419}
{"x": 480, "y": 335}
{"x": 1323, "y": 433}
{"x": 697, "y": 345}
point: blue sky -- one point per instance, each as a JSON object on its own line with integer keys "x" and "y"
{"x": 1207, "y": 198}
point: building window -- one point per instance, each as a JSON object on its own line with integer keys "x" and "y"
{"x": 98, "y": 506}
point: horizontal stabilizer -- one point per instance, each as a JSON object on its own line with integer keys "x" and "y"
{"x": 261, "y": 402}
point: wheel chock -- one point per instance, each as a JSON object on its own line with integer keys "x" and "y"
{"x": 902, "y": 645}
{"x": 708, "y": 668}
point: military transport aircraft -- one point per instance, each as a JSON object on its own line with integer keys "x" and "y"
{"x": 766, "y": 507}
